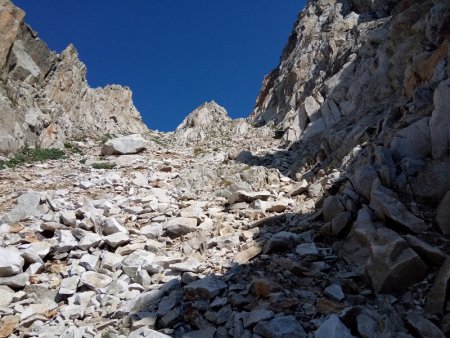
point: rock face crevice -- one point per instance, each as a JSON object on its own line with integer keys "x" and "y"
{"x": 45, "y": 98}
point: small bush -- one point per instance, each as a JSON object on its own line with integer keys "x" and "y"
{"x": 103, "y": 165}
{"x": 29, "y": 155}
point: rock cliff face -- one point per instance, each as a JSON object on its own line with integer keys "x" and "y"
{"x": 363, "y": 87}
{"x": 352, "y": 60}
{"x": 45, "y": 98}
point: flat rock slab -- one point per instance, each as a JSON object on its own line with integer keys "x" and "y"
{"x": 205, "y": 288}
{"x": 245, "y": 196}
{"x": 94, "y": 280}
{"x": 386, "y": 206}
{"x": 180, "y": 226}
{"x": 422, "y": 327}
{"x": 130, "y": 144}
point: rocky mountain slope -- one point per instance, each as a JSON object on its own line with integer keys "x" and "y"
{"x": 330, "y": 219}
{"x": 45, "y": 98}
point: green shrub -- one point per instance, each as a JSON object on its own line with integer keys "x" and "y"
{"x": 30, "y": 155}
{"x": 103, "y": 165}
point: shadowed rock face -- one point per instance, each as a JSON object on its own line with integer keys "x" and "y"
{"x": 45, "y": 98}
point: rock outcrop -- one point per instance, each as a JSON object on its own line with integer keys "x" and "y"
{"x": 45, "y": 98}
{"x": 360, "y": 88}
{"x": 209, "y": 121}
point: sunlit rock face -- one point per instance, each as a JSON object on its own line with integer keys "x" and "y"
{"x": 44, "y": 96}
{"x": 348, "y": 60}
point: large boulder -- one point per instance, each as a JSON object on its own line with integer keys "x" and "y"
{"x": 130, "y": 144}
{"x": 393, "y": 265}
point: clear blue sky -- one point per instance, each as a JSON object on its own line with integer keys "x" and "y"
{"x": 174, "y": 54}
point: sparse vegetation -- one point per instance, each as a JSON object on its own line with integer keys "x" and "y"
{"x": 159, "y": 140}
{"x": 73, "y": 148}
{"x": 106, "y": 137}
{"x": 103, "y": 165}
{"x": 30, "y": 155}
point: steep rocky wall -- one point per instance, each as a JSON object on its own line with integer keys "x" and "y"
{"x": 45, "y": 98}
{"x": 363, "y": 87}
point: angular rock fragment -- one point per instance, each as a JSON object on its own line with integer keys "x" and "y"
{"x": 393, "y": 265}
{"x": 180, "y": 226}
{"x": 130, "y": 144}
{"x": 386, "y": 206}
{"x": 205, "y": 288}
{"x": 11, "y": 262}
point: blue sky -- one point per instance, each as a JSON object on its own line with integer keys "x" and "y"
{"x": 174, "y": 54}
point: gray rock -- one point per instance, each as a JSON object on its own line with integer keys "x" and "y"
{"x": 68, "y": 218}
{"x": 334, "y": 292}
{"x": 112, "y": 226}
{"x": 405, "y": 144}
{"x": 280, "y": 327}
{"x": 6, "y": 296}
{"x": 69, "y": 285}
{"x": 130, "y": 144}
{"x": 333, "y": 328}
{"x": 89, "y": 240}
{"x": 66, "y": 241}
{"x": 245, "y": 196}
{"x": 426, "y": 251}
{"x": 11, "y": 262}
{"x": 94, "y": 280}
{"x": 386, "y": 205}
{"x": 421, "y": 327}
{"x": 28, "y": 205}
{"x": 111, "y": 261}
{"x": 117, "y": 239}
{"x": 256, "y": 316}
{"x": 153, "y": 230}
{"x": 298, "y": 189}
{"x": 205, "y": 288}
{"x": 443, "y": 215}
{"x": 281, "y": 241}
{"x": 362, "y": 180}
{"x": 332, "y": 207}
{"x": 17, "y": 281}
{"x": 180, "y": 226}
{"x": 437, "y": 295}
{"x": 137, "y": 259}
{"x": 89, "y": 262}
{"x": 306, "y": 249}
{"x": 393, "y": 266}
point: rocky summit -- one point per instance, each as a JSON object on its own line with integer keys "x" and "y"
{"x": 324, "y": 214}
